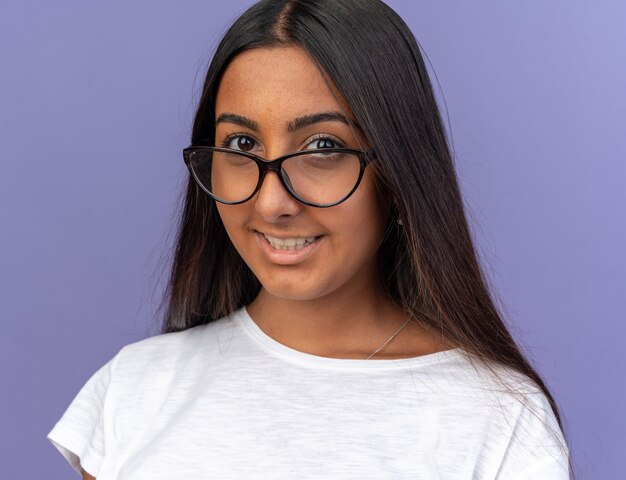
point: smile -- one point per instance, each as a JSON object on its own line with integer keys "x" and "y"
{"x": 294, "y": 243}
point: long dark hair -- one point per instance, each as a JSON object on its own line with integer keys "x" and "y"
{"x": 428, "y": 265}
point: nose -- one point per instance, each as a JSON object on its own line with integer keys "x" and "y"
{"x": 273, "y": 202}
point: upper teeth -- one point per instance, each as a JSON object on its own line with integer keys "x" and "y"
{"x": 288, "y": 243}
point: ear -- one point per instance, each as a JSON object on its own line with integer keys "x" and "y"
{"x": 385, "y": 198}
{"x": 394, "y": 214}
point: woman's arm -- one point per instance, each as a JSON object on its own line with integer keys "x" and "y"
{"x": 86, "y": 476}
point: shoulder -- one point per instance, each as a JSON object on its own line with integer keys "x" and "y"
{"x": 464, "y": 378}
{"x": 124, "y": 395}
{"x": 495, "y": 388}
{"x": 164, "y": 369}
{"x": 511, "y": 415}
{"x": 168, "y": 350}
{"x": 468, "y": 376}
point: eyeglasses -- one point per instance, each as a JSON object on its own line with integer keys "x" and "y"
{"x": 320, "y": 178}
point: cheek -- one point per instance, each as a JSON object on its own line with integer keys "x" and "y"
{"x": 372, "y": 211}
{"x": 362, "y": 220}
{"x": 234, "y": 219}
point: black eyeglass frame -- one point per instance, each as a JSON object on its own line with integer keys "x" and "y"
{"x": 264, "y": 166}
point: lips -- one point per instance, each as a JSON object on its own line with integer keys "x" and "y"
{"x": 289, "y": 243}
{"x": 287, "y": 250}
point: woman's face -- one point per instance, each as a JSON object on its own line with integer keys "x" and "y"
{"x": 271, "y": 87}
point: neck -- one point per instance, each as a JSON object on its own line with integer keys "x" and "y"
{"x": 336, "y": 325}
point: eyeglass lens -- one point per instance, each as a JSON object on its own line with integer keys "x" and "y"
{"x": 317, "y": 178}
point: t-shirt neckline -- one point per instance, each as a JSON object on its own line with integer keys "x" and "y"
{"x": 307, "y": 359}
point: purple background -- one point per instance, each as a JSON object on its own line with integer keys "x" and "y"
{"x": 96, "y": 104}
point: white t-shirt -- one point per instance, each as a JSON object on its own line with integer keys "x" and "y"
{"x": 227, "y": 401}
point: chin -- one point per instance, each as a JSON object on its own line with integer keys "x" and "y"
{"x": 295, "y": 291}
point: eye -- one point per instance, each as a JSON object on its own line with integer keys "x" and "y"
{"x": 239, "y": 142}
{"x": 325, "y": 142}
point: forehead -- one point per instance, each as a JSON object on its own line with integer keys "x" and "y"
{"x": 275, "y": 82}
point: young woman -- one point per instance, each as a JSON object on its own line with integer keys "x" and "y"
{"x": 326, "y": 315}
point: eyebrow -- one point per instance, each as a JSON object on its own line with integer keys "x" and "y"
{"x": 292, "y": 125}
